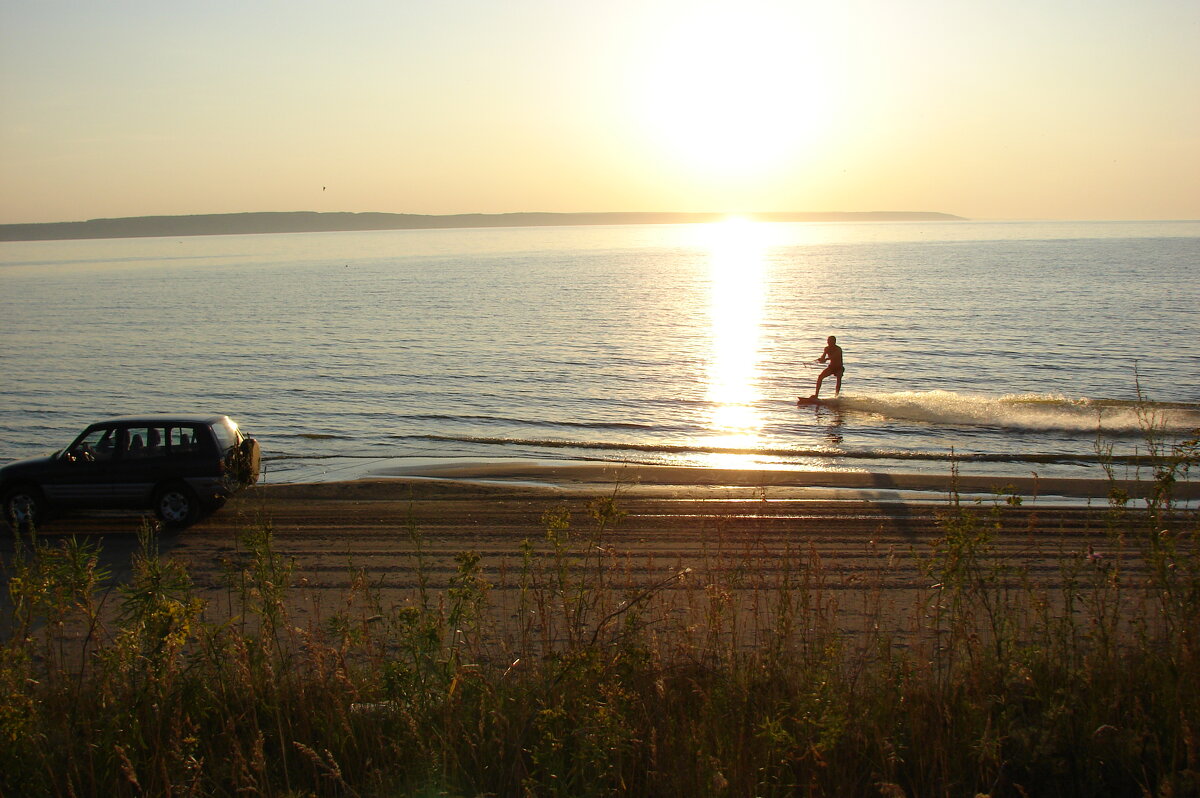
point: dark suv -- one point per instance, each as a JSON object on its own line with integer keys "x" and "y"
{"x": 178, "y": 466}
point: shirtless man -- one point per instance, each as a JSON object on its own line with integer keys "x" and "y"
{"x": 833, "y": 356}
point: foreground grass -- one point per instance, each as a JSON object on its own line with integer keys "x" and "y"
{"x": 597, "y": 685}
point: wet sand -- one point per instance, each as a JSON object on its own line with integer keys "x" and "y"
{"x": 696, "y": 482}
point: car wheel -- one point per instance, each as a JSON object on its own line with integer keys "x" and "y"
{"x": 23, "y": 507}
{"x": 176, "y": 505}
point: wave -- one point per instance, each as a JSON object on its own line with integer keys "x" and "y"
{"x": 1026, "y": 412}
{"x": 619, "y": 425}
{"x": 790, "y": 454}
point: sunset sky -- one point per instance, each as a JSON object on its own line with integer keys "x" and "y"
{"x": 1029, "y": 109}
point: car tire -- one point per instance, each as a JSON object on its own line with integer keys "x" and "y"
{"x": 24, "y": 508}
{"x": 176, "y": 505}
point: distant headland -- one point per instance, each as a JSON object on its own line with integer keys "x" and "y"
{"x": 313, "y": 222}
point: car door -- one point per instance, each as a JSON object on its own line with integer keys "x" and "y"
{"x": 82, "y": 474}
{"x": 140, "y": 464}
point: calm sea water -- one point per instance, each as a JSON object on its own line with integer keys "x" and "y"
{"x": 1018, "y": 346}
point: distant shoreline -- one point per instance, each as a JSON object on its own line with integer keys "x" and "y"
{"x": 314, "y": 222}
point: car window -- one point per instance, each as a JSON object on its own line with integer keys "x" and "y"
{"x": 99, "y": 444}
{"x": 148, "y": 441}
{"x": 184, "y": 440}
{"x": 226, "y": 432}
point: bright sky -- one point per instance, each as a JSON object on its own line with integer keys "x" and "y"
{"x": 1057, "y": 109}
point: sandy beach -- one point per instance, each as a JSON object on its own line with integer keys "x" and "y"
{"x": 746, "y": 529}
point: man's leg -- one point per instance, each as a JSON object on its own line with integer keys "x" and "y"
{"x": 820, "y": 379}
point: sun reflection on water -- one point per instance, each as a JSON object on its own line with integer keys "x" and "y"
{"x": 737, "y": 279}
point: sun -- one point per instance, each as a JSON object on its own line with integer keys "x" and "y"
{"x": 739, "y": 89}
